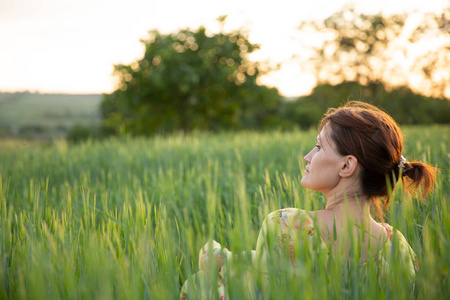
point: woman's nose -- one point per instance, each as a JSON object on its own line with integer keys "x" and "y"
{"x": 304, "y": 158}
{"x": 307, "y": 157}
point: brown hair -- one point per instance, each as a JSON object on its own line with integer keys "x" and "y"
{"x": 375, "y": 139}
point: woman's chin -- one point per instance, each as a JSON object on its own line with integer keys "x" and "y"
{"x": 304, "y": 182}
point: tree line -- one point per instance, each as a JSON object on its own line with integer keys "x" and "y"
{"x": 196, "y": 80}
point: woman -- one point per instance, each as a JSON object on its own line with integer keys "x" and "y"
{"x": 356, "y": 164}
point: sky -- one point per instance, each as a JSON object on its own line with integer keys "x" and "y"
{"x": 71, "y": 46}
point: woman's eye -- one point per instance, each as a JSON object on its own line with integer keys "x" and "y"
{"x": 318, "y": 147}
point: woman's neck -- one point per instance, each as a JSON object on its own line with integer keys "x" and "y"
{"x": 354, "y": 205}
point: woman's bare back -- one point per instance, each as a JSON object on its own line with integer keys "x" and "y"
{"x": 335, "y": 232}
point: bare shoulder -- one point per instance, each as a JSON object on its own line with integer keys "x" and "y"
{"x": 322, "y": 216}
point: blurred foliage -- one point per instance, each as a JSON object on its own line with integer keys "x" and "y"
{"x": 31, "y": 115}
{"x": 359, "y": 57}
{"x": 382, "y": 49}
{"x": 191, "y": 80}
{"x": 402, "y": 104}
{"x": 195, "y": 80}
{"x": 80, "y": 133}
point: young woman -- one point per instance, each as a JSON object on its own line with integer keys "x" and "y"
{"x": 356, "y": 164}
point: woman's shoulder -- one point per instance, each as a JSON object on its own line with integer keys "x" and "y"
{"x": 290, "y": 212}
{"x": 394, "y": 233}
{"x": 292, "y": 217}
{"x": 405, "y": 250}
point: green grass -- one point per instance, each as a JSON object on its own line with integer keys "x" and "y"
{"x": 125, "y": 218}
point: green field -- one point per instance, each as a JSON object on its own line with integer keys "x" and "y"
{"x": 125, "y": 218}
{"x": 46, "y": 116}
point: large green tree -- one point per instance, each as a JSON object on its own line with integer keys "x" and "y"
{"x": 190, "y": 80}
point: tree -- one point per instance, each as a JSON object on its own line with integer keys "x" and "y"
{"x": 373, "y": 49}
{"x": 190, "y": 80}
{"x": 434, "y": 63}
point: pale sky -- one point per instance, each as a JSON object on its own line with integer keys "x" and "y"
{"x": 70, "y": 46}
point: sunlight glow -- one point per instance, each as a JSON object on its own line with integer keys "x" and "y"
{"x": 71, "y": 46}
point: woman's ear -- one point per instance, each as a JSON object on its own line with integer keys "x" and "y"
{"x": 349, "y": 166}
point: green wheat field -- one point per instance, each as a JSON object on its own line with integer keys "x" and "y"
{"x": 125, "y": 218}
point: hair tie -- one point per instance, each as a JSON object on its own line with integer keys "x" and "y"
{"x": 403, "y": 161}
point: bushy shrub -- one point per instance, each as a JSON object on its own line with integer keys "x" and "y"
{"x": 80, "y": 133}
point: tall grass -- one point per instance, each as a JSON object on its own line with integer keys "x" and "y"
{"x": 125, "y": 218}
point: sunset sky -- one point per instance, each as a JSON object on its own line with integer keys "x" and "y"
{"x": 70, "y": 46}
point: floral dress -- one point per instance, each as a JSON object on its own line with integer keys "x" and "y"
{"x": 405, "y": 254}
{"x": 282, "y": 236}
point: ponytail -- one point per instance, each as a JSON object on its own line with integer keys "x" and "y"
{"x": 418, "y": 174}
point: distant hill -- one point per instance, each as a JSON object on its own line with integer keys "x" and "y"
{"x": 46, "y": 116}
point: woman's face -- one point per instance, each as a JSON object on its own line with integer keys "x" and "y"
{"x": 323, "y": 165}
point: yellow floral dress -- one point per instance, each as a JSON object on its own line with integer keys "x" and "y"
{"x": 286, "y": 235}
